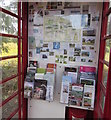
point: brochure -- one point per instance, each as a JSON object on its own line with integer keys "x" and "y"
{"x": 76, "y": 95}
{"x": 49, "y": 93}
{"x": 89, "y": 95}
{"x": 64, "y": 92}
{"x": 28, "y": 89}
{"x": 40, "y": 88}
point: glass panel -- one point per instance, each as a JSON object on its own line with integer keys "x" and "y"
{"x": 105, "y": 75}
{"x": 9, "y": 88}
{"x": 9, "y": 46}
{"x": 9, "y": 24}
{"x": 15, "y": 116}
{"x": 10, "y": 107}
{"x": 10, "y": 5}
{"x": 102, "y": 100}
{"x": 109, "y": 4}
{"x": 107, "y": 50}
{"x": 21, "y": 27}
{"x": 9, "y": 67}
{"x": 109, "y": 25}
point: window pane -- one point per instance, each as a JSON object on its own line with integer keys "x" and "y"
{"x": 9, "y": 88}
{"x": 10, "y": 107}
{"x": 9, "y": 24}
{"x": 15, "y": 116}
{"x": 109, "y": 4}
{"x": 109, "y": 25}
{"x": 9, "y": 46}
{"x": 102, "y": 100}
{"x": 10, "y": 5}
{"x": 107, "y": 50}
{"x": 9, "y": 67}
{"x": 105, "y": 75}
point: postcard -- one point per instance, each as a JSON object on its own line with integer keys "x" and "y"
{"x": 85, "y": 54}
{"x": 32, "y": 44}
{"x": 76, "y": 97}
{"x": 88, "y": 41}
{"x": 33, "y": 63}
{"x": 56, "y": 45}
{"x": 89, "y": 32}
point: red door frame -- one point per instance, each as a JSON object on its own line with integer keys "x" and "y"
{"x": 23, "y": 64}
{"x": 107, "y": 91}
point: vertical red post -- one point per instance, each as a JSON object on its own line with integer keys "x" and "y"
{"x": 19, "y": 59}
{"x": 25, "y": 53}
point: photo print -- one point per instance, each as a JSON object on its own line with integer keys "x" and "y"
{"x": 77, "y": 51}
{"x": 51, "y": 53}
{"x": 44, "y": 56}
{"x": 85, "y": 54}
{"x": 65, "y": 51}
{"x": 30, "y": 54}
{"x": 89, "y": 32}
{"x": 71, "y": 45}
{"x": 83, "y": 60}
{"x": 38, "y": 50}
{"x": 88, "y": 41}
{"x": 56, "y": 45}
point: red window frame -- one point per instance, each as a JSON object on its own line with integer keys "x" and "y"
{"x": 99, "y": 113}
{"x": 24, "y": 40}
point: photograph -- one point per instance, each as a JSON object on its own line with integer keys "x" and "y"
{"x": 71, "y": 45}
{"x": 83, "y": 60}
{"x": 85, "y": 54}
{"x": 72, "y": 59}
{"x": 77, "y": 53}
{"x": 56, "y": 45}
{"x": 38, "y": 50}
{"x": 45, "y": 45}
{"x": 83, "y": 47}
{"x": 30, "y": 54}
{"x": 87, "y": 102}
{"x": 91, "y": 48}
{"x": 44, "y": 56}
{"x": 33, "y": 63}
{"x": 89, "y": 32}
{"x": 51, "y": 53}
{"x": 65, "y": 51}
{"x": 88, "y": 41}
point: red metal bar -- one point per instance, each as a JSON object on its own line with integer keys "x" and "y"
{"x": 19, "y": 59}
{"x": 13, "y": 114}
{"x": 8, "y": 57}
{"x": 10, "y": 13}
{"x": 25, "y": 53}
{"x": 8, "y": 79}
{"x": 8, "y": 99}
{"x": 8, "y": 35}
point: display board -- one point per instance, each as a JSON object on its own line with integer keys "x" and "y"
{"x": 67, "y": 35}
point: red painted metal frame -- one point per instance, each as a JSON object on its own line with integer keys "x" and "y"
{"x": 8, "y": 79}
{"x": 13, "y": 114}
{"x": 98, "y": 113}
{"x": 8, "y": 35}
{"x": 24, "y": 55}
{"x": 8, "y": 57}
{"x": 9, "y": 98}
{"x": 19, "y": 59}
{"x": 10, "y": 13}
